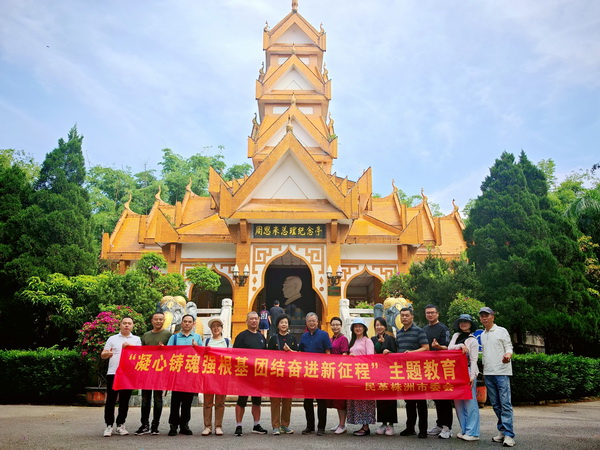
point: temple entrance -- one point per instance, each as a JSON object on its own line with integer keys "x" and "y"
{"x": 289, "y": 280}
{"x": 363, "y": 288}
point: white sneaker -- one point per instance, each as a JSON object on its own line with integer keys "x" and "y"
{"x": 508, "y": 442}
{"x": 434, "y": 431}
{"x": 445, "y": 433}
{"x": 381, "y": 429}
{"x": 334, "y": 428}
{"x": 121, "y": 430}
{"x": 499, "y": 437}
{"x": 108, "y": 432}
{"x": 206, "y": 431}
{"x": 466, "y": 437}
{"x": 340, "y": 430}
{"x": 389, "y": 430}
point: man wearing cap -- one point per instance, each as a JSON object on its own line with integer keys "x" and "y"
{"x": 314, "y": 340}
{"x": 438, "y": 336}
{"x": 497, "y": 368}
{"x": 411, "y": 338}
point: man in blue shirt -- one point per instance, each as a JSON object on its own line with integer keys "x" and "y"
{"x": 181, "y": 402}
{"x": 314, "y": 341}
{"x": 411, "y": 338}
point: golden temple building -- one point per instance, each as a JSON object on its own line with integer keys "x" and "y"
{"x": 292, "y": 219}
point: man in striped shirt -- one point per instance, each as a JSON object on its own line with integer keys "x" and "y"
{"x": 411, "y": 338}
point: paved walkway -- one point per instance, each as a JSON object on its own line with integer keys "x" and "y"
{"x": 571, "y": 426}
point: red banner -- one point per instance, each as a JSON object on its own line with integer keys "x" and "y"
{"x": 270, "y": 373}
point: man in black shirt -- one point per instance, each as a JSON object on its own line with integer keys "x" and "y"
{"x": 250, "y": 338}
{"x": 438, "y": 336}
{"x": 275, "y": 312}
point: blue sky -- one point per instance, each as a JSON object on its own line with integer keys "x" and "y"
{"x": 428, "y": 93}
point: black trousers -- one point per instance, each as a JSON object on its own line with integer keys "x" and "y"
{"x": 181, "y": 401}
{"x": 412, "y": 406}
{"x": 158, "y": 405}
{"x": 444, "y": 413}
{"x": 309, "y": 411}
{"x": 111, "y": 400}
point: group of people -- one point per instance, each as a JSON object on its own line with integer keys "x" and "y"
{"x": 435, "y": 336}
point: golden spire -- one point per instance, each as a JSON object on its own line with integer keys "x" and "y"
{"x": 295, "y": 6}
{"x": 289, "y": 127}
{"x": 188, "y": 188}
{"x": 293, "y": 99}
{"x": 394, "y": 188}
{"x": 423, "y": 195}
{"x": 157, "y": 196}
{"x": 266, "y": 26}
{"x": 293, "y": 48}
{"x": 325, "y": 72}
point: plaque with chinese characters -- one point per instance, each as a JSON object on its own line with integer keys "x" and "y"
{"x": 280, "y": 231}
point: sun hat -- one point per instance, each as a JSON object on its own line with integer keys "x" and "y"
{"x": 213, "y": 320}
{"x": 359, "y": 321}
{"x": 465, "y": 318}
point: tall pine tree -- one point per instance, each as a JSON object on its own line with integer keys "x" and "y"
{"x": 528, "y": 259}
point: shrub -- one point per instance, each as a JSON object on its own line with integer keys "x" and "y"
{"x": 464, "y": 305}
{"x": 45, "y": 375}
{"x": 539, "y": 377}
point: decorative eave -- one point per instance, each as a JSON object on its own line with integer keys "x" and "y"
{"x": 316, "y": 128}
{"x": 230, "y": 202}
{"x": 271, "y": 36}
{"x": 319, "y": 85}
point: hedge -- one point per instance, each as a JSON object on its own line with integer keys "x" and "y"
{"x": 538, "y": 377}
{"x": 41, "y": 376}
{"x": 58, "y": 376}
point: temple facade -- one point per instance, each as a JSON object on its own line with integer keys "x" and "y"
{"x": 300, "y": 233}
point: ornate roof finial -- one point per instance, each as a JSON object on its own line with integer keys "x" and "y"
{"x": 295, "y": 6}
{"x": 330, "y": 126}
{"x": 289, "y": 127}
{"x": 188, "y": 188}
{"x": 126, "y": 205}
{"x": 321, "y": 29}
{"x": 266, "y": 26}
{"x": 293, "y": 99}
{"x": 423, "y": 194}
{"x": 261, "y": 72}
{"x": 157, "y": 196}
{"x": 394, "y": 188}
{"x": 325, "y": 72}
{"x": 293, "y": 48}
{"x": 456, "y": 208}
{"x": 255, "y": 127}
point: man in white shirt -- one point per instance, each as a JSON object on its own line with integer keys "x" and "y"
{"x": 497, "y": 368}
{"x": 112, "y": 352}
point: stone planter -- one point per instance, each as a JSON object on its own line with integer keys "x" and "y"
{"x": 95, "y": 396}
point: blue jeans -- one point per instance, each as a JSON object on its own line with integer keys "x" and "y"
{"x": 498, "y": 391}
{"x": 467, "y": 412}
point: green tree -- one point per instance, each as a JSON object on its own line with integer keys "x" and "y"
{"x": 528, "y": 259}
{"x": 177, "y": 172}
{"x": 238, "y": 171}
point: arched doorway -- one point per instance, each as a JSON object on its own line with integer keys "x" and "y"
{"x": 289, "y": 280}
{"x": 209, "y": 300}
{"x": 363, "y": 287}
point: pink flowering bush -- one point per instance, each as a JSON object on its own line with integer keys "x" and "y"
{"x": 93, "y": 335}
